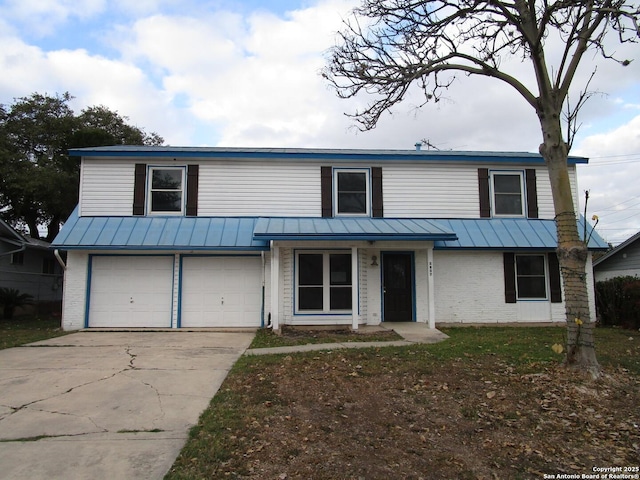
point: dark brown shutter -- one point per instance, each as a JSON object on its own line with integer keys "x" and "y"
{"x": 532, "y": 194}
{"x": 376, "y": 192}
{"x": 192, "y": 190}
{"x": 509, "y": 277}
{"x": 483, "y": 188}
{"x": 554, "y": 279}
{"x": 326, "y": 177}
{"x": 139, "y": 188}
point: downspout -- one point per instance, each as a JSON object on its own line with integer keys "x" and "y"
{"x": 56, "y": 253}
{"x": 263, "y": 283}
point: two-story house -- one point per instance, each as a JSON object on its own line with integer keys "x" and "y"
{"x": 228, "y": 237}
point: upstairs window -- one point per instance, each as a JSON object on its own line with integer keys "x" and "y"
{"x": 508, "y": 194}
{"x": 166, "y": 190}
{"x": 351, "y": 190}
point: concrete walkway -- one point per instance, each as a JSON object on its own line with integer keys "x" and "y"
{"x": 411, "y": 332}
{"x": 98, "y": 405}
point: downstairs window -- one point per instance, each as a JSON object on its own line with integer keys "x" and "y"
{"x": 323, "y": 282}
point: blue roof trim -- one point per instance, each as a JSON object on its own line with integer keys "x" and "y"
{"x": 508, "y": 234}
{"x": 158, "y": 233}
{"x": 350, "y": 229}
{"x": 314, "y": 154}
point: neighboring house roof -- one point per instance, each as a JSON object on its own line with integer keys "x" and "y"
{"x": 508, "y": 233}
{"x": 616, "y": 250}
{"x": 158, "y": 233}
{"x": 370, "y": 229}
{"x": 252, "y": 233}
{"x": 9, "y": 235}
{"x": 312, "y": 154}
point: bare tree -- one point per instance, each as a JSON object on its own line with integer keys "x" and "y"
{"x": 389, "y": 45}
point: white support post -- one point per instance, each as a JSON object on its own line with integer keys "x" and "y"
{"x": 355, "y": 288}
{"x": 430, "y": 284}
{"x": 275, "y": 287}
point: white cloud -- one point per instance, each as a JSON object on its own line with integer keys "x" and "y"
{"x": 43, "y": 17}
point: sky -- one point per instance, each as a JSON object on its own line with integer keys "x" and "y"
{"x": 246, "y": 74}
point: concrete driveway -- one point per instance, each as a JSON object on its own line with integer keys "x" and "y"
{"x": 107, "y": 405}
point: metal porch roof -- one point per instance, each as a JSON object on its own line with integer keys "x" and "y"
{"x": 508, "y": 233}
{"x": 252, "y": 233}
{"x": 351, "y": 229}
{"x": 158, "y": 233}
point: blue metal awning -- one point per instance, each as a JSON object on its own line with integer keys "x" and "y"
{"x": 509, "y": 233}
{"x": 351, "y": 229}
{"x": 252, "y": 233}
{"x": 158, "y": 233}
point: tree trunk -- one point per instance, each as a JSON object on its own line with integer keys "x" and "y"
{"x": 32, "y": 223}
{"x": 572, "y": 252}
{"x": 53, "y": 228}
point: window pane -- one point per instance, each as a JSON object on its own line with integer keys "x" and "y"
{"x": 352, "y": 182}
{"x": 507, "y": 204}
{"x": 530, "y": 264}
{"x": 352, "y": 192}
{"x": 310, "y": 298}
{"x": 531, "y": 280}
{"x": 310, "y": 269}
{"x": 166, "y": 179}
{"x": 166, "y": 201}
{"x": 340, "y": 265}
{"x": 507, "y": 191}
{"x": 507, "y": 183}
{"x": 352, "y": 203}
{"x": 340, "y": 298}
{"x": 531, "y": 287}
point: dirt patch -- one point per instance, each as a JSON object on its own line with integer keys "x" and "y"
{"x": 364, "y": 415}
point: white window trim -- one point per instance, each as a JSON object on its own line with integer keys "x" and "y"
{"x": 492, "y": 195}
{"x": 150, "y": 170}
{"x": 367, "y": 173}
{"x": 546, "y": 277}
{"x": 326, "y": 283}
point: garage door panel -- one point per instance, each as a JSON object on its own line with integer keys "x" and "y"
{"x": 221, "y": 292}
{"x": 131, "y": 291}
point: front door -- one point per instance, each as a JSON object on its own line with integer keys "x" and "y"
{"x": 397, "y": 286}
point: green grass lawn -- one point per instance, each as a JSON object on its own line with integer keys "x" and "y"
{"x": 27, "y": 329}
{"x": 245, "y": 408}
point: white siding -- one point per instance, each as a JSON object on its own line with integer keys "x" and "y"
{"x": 290, "y": 188}
{"x": 437, "y": 190}
{"x": 75, "y": 291}
{"x": 255, "y": 189}
{"x": 545, "y": 198}
{"x": 106, "y": 188}
{"x": 430, "y": 190}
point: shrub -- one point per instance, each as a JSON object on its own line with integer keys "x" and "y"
{"x": 11, "y": 298}
{"x": 618, "y": 302}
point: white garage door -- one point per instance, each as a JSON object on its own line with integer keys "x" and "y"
{"x": 221, "y": 292}
{"x": 131, "y": 291}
